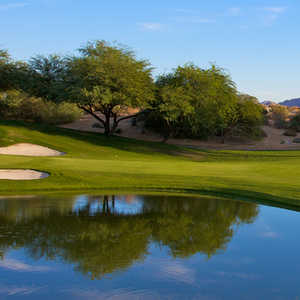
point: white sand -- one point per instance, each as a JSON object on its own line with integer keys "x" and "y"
{"x": 26, "y": 150}
{"x": 22, "y": 174}
{"x": 29, "y": 150}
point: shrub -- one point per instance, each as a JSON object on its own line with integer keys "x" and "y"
{"x": 295, "y": 123}
{"x": 61, "y": 113}
{"x": 153, "y": 120}
{"x": 279, "y": 116}
{"x": 18, "y": 105}
{"x": 249, "y": 118}
{"x": 10, "y": 102}
{"x": 199, "y": 103}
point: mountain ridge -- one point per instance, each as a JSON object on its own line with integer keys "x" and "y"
{"x": 291, "y": 102}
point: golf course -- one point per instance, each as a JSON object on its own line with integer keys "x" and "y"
{"x": 94, "y": 162}
{"x": 149, "y": 150}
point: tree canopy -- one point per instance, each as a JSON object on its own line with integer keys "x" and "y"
{"x": 197, "y": 102}
{"x": 5, "y": 70}
{"x": 48, "y": 77}
{"x": 194, "y": 101}
{"x": 13, "y": 74}
{"x": 111, "y": 84}
{"x": 106, "y": 80}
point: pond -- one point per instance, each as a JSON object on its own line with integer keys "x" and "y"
{"x": 147, "y": 247}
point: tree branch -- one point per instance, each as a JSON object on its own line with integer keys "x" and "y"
{"x": 128, "y": 117}
{"x": 92, "y": 113}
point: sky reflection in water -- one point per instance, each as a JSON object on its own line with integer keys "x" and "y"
{"x": 147, "y": 247}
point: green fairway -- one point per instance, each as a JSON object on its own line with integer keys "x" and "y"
{"x": 94, "y": 162}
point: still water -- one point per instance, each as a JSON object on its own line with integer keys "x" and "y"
{"x": 147, "y": 247}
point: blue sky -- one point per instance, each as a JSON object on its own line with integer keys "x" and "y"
{"x": 257, "y": 42}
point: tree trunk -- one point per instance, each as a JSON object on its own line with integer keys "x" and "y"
{"x": 117, "y": 121}
{"x": 167, "y": 132}
{"x": 115, "y": 124}
{"x": 107, "y": 130}
{"x": 165, "y": 137}
{"x": 223, "y": 136}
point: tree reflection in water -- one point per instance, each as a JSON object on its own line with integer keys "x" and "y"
{"x": 99, "y": 237}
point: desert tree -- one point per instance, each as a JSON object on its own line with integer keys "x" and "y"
{"x": 192, "y": 101}
{"x": 106, "y": 80}
{"x": 13, "y": 74}
{"x": 47, "y": 77}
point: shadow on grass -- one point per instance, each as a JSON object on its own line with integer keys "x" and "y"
{"x": 150, "y": 148}
{"x": 97, "y": 139}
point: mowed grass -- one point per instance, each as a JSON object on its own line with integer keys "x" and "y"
{"x": 94, "y": 162}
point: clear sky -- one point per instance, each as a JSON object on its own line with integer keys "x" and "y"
{"x": 256, "y": 41}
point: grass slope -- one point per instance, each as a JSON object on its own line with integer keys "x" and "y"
{"x": 95, "y": 162}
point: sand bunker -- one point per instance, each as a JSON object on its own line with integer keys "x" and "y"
{"x": 29, "y": 150}
{"x": 22, "y": 174}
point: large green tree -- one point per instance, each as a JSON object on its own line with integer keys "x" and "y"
{"x": 13, "y": 74}
{"x": 4, "y": 56}
{"x": 47, "y": 77}
{"x": 195, "y": 102}
{"x": 249, "y": 117}
{"x": 6, "y": 68}
{"x": 279, "y": 115}
{"x": 106, "y": 80}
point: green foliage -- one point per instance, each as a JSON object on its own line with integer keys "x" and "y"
{"x": 56, "y": 114}
{"x": 295, "y": 123}
{"x": 10, "y": 102}
{"x": 4, "y": 57}
{"x": 193, "y": 102}
{"x": 47, "y": 77}
{"x": 19, "y": 106}
{"x": 279, "y": 116}
{"x": 6, "y": 67}
{"x": 249, "y": 118}
{"x": 109, "y": 79}
{"x": 250, "y": 111}
{"x": 13, "y": 74}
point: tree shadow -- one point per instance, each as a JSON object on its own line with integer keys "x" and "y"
{"x": 99, "y": 139}
{"x": 148, "y": 147}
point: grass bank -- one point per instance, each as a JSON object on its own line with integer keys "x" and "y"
{"x": 94, "y": 162}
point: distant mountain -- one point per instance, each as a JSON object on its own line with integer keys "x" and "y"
{"x": 268, "y": 103}
{"x": 292, "y": 102}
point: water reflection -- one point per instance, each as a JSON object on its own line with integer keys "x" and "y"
{"x": 104, "y": 234}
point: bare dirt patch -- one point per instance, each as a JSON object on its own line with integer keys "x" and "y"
{"x": 275, "y": 139}
{"x": 29, "y": 150}
{"x": 11, "y": 174}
